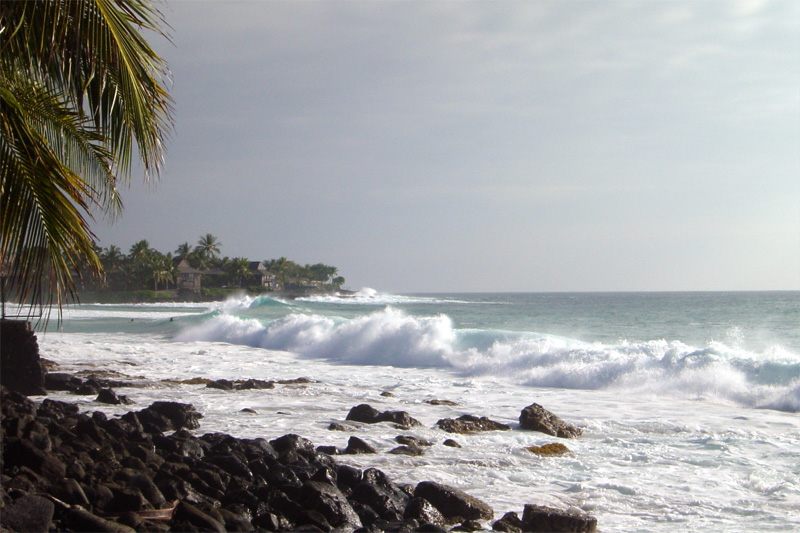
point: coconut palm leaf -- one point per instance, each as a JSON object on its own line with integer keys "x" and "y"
{"x": 83, "y": 95}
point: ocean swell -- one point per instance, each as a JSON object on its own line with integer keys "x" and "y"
{"x": 391, "y": 337}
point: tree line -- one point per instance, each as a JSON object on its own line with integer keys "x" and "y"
{"x": 144, "y": 267}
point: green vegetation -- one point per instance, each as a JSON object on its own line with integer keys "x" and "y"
{"x": 143, "y": 271}
{"x": 82, "y": 99}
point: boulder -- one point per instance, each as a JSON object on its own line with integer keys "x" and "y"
{"x": 424, "y": 512}
{"x": 164, "y": 416}
{"x": 21, "y": 367}
{"x": 510, "y": 523}
{"x": 542, "y": 518}
{"x": 441, "y": 402}
{"x": 329, "y": 501}
{"x": 111, "y": 397}
{"x": 356, "y": 445}
{"x": 454, "y": 504}
{"x": 78, "y": 519}
{"x": 407, "y": 450}
{"x": 380, "y": 494}
{"x": 451, "y": 443}
{"x": 537, "y": 418}
{"x": 186, "y": 512}
{"x": 369, "y": 415}
{"x": 470, "y": 424}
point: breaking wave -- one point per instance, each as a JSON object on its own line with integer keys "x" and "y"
{"x": 770, "y": 379}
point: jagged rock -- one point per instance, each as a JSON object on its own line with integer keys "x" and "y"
{"x": 240, "y": 384}
{"x": 111, "y": 397}
{"x": 376, "y": 491}
{"x": 542, "y": 518}
{"x": 451, "y": 443}
{"x": 164, "y": 416}
{"x": 296, "y": 381}
{"x": 470, "y": 424}
{"x": 424, "y": 512}
{"x": 548, "y": 450}
{"x": 356, "y": 445}
{"x": 510, "y": 523}
{"x": 28, "y": 513}
{"x": 222, "y": 384}
{"x": 369, "y": 415}
{"x": 454, "y": 504}
{"x": 330, "y": 450}
{"x": 537, "y": 418}
{"x": 329, "y": 501}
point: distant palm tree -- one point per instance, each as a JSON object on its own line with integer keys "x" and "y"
{"x": 82, "y": 96}
{"x": 183, "y": 250}
{"x": 208, "y": 247}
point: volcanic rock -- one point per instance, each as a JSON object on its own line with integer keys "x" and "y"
{"x": 510, "y": 523}
{"x": 356, "y": 445}
{"x": 548, "y": 450}
{"x": 451, "y": 443}
{"x": 28, "y": 513}
{"x": 542, "y": 518}
{"x": 454, "y": 504}
{"x": 369, "y": 415}
{"x": 537, "y": 418}
{"x": 470, "y": 424}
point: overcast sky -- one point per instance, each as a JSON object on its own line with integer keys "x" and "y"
{"x": 487, "y": 146}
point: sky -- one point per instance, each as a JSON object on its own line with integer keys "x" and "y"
{"x": 486, "y": 146}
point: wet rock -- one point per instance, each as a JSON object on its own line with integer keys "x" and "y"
{"x": 369, "y": 415}
{"x": 28, "y": 513}
{"x": 542, "y": 518}
{"x": 380, "y": 494}
{"x": 296, "y": 381}
{"x": 441, "y": 402}
{"x": 222, "y": 384}
{"x": 164, "y": 416}
{"x": 409, "y": 440}
{"x": 248, "y": 410}
{"x": 407, "y": 450}
{"x": 470, "y": 424}
{"x": 548, "y": 450}
{"x": 510, "y": 523}
{"x": 111, "y": 397}
{"x": 61, "y": 381}
{"x": 537, "y": 418}
{"x": 387, "y": 394}
{"x": 454, "y": 504}
{"x": 424, "y": 512}
{"x": 468, "y": 525}
{"x": 336, "y": 426}
{"x": 330, "y": 502}
{"x": 330, "y": 450}
{"x": 356, "y": 445}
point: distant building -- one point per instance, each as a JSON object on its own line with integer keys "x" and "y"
{"x": 264, "y": 278}
{"x": 189, "y": 278}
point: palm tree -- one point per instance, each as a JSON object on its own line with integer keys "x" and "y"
{"x": 183, "y": 250}
{"x": 82, "y": 96}
{"x": 208, "y": 247}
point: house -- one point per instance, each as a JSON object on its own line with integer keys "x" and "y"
{"x": 189, "y": 278}
{"x": 264, "y": 278}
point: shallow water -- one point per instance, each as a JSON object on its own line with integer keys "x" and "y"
{"x": 694, "y": 430}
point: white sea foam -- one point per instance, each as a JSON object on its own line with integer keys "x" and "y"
{"x": 392, "y": 337}
{"x": 369, "y": 296}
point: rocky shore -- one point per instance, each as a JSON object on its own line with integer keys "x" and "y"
{"x": 148, "y": 470}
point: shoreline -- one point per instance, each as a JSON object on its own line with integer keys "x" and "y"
{"x": 241, "y": 484}
{"x": 211, "y": 295}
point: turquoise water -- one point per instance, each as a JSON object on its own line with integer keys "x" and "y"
{"x": 742, "y": 347}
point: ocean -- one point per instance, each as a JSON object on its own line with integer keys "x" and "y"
{"x": 689, "y": 401}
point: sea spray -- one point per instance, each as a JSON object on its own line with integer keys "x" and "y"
{"x": 394, "y": 338}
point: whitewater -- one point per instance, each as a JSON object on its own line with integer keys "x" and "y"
{"x": 689, "y": 401}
